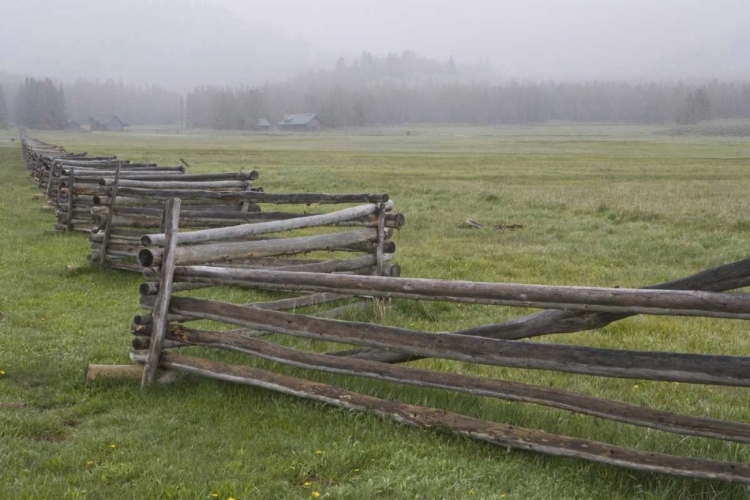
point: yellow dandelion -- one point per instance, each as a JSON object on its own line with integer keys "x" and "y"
{"x": 214, "y": 495}
{"x": 318, "y": 452}
{"x": 113, "y": 446}
{"x": 2, "y": 373}
{"x": 230, "y": 498}
{"x": 316, "y": 494}
{"x": 635, "y": 386}
{"x": 306, "y": 484}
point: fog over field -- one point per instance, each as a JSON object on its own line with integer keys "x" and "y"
{"x": 182, "y": 43}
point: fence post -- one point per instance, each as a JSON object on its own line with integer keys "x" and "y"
{"x": 110, "y": 215}
{"x": 69, "y": 223}
{"x": 381, "y": 239}
{"x": 161, "y": 306}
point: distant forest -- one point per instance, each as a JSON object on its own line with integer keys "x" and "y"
{"x": 376, "y": 91}
{"x": 46, "y": 104}
{"x": 406, "y": 89}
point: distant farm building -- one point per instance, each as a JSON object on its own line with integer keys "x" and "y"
{"x": 73, "y": 125}
{"x": 307, "y": 122}
{"x": 95, "y": 125}
{"x": 115, "y": 125}
{"x": 260, "y": 125}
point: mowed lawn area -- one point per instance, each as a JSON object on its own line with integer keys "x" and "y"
{"x": 602, "y": 206}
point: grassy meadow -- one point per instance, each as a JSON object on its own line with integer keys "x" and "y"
{"x": 602, "y": 205}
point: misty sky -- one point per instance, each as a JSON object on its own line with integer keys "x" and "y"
{"x": 533, "y": 38}
{"x": 183, "y": 42}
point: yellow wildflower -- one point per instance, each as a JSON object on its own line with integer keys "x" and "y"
{"x": 2, "y": 373}
{"x": 315, "y": 494}
{"x": 356, "y": 470}
{"x": 306, "y": 484}
{"x": 635, "y": 386}
{"x": 90, "y": 463}
{"x": 230, "y": 498}
{"x": 318, "y": 452}
{"x": 215, "y": 495}
{"x": 113, "y": 446}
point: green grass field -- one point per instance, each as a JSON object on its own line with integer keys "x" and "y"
{"x": 602, "y": 205}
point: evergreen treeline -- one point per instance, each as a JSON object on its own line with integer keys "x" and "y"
{"x": 404, "y": 89}
{"x": 40, "y": 104}
{"x": 4, "y": 116}
{"x": 149, "y": 105}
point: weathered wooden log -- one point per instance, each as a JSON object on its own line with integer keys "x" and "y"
{"x": 228, "y": 176}
{"x": 148, "y": 318}
{"x": 429, "y": 418}
{"x": 177, "y": 329}
{"x": 673, "y": 367}
{"x": 718, "y": 279}
{"x": 335, "y": 265}
{"x": 152, "y": 288}
{"x": 297, "y": 265}
{"x": 368, "y": 247}
{"x": 132, "y": 372}
{"x": 143, "y": 343}
{"x": 212, "y": 252}
{"x": 161, "y": 308}
{"x": 245, "y": 230}
{"x": 194, "y": 204}
{"x": 233, "y": 216}
{"x": 181, "y": 184}
{"x": 625, "y": 300}
{"x": 254, "y": 196}
{"x": 480, "y": 386}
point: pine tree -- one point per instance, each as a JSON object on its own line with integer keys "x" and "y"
{"x": 4, "y": 118}
{"x": 40, "y": 104}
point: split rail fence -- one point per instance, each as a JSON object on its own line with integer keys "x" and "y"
{"x": 237, "y": 250}
{"x": 379, "y": 349}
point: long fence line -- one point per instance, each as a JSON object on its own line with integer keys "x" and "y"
{"x": 163, "y": 229}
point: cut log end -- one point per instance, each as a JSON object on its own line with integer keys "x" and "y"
{"x": 146, "y": 257}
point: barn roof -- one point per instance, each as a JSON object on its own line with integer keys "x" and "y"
{"x": 118, "y": 119}
{"x": 298, "y": 119}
